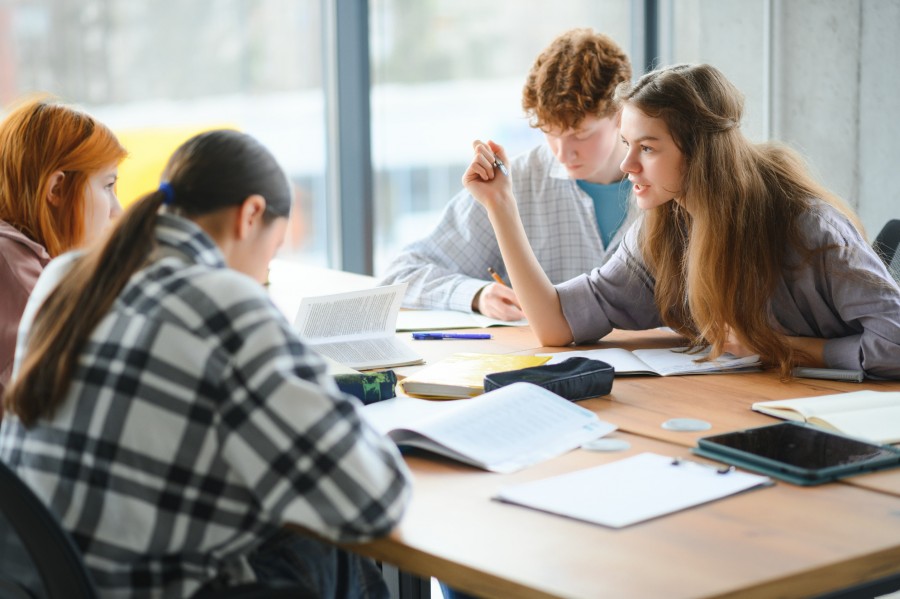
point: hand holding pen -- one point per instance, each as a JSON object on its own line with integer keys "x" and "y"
{"x": 488, "y": 178}
{"x": 496, "y": 277}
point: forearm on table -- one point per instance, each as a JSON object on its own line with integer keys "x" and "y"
{"x": 808, "y": 351}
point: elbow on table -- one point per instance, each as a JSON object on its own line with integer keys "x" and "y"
{"x": 553, "y": 337}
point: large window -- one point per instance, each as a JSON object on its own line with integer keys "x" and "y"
{"x": 158, "y": 72}
{"x": 446, "y": 72}
{"x": 443, "y": 72}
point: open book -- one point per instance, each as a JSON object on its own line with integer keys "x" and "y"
{"x": 501, "y": 431}
{"x": 662, "y": 362}
{"x": 630, "y": 490}
{"x": 356, "y": 328}
{"x": 435, "y": 320}
{"x": 872, "y": 415}
{"x": 462, "y": 375}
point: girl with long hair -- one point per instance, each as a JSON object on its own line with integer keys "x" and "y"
{"x": 738, "y": 248}
{"x": 170, "y": 416}
{"x": 58, "y": 171}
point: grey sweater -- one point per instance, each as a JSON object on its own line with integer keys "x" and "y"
{"x": 845, "y": 294}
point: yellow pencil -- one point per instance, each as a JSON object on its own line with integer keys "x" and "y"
{"x": 497, "y": 277}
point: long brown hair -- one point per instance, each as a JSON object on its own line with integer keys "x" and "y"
{"x": 739, "y": 205}
{"x": 37, "y": 139}
{"x": 209, "y": 172}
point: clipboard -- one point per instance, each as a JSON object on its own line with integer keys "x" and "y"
{"x": 631, "y": 490}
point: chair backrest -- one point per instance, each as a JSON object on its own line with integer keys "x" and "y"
{"x": 886, "y": 245}
{"x": 36, "y": 552}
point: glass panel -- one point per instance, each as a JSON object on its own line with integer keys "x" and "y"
{"x": 158, "y": 72}
{"x": 446, "y": 72}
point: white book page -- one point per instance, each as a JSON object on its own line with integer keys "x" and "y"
{"x": 501, "y": 431}
{"x": 881, "y": 425}
{"x": 622, "y": 360}
{"x": 675, "y": 361}
{"x": 352, "y": 314}
{"x": 356, "y": 328}
{"x": 434, "y": 320}
{"x": 404, "y": 412}
{"x": 629, "y": 490}
{"x": 831, "y": 404}
{"x": 365, "y": 354}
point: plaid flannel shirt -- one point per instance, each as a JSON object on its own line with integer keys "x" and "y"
{"x": 196, "y": 424}
{"x": 447, "y": 267}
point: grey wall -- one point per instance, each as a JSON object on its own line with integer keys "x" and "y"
{"x": 837, "y": 97}
{"x": 829, "y": 71}
{"x": 878, "y": 156}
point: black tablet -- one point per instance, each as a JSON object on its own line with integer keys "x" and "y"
{"x": 799, "y": 453}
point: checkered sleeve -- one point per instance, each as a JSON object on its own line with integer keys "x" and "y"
{"x": 447, "y": 267}
{"x": 298, "y": 443}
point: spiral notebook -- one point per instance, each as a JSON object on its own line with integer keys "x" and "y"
{"x": 631, "y": 490}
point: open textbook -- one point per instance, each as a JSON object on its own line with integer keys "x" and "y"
{"x": 435, "y": 320}
{"x": 663, "y": 362}
{"x": 501, "y": 431}
{"x": 872, "y": 415}
{"x": 356, "y": 328}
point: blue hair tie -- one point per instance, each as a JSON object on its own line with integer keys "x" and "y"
{"x": 167, "y": 190}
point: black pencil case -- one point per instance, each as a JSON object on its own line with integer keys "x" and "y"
{"x": 574, "y": 379}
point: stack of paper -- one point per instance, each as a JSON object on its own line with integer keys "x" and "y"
{"x": 630, "y": 490}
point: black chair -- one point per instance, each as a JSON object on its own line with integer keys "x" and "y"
{"x": 886, "y": 245}
{"x": 39, "y": 560}
{"x": 37, "y": 556}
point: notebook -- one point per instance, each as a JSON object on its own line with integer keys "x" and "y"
{"x": 462, "y": 375}
{"x": 673, "y": 361}
{"x": 872, "y": 415}
{"x": 631, "y": 490}
{"x": 501, "y": 431}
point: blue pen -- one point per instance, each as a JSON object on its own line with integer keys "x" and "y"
{"x": 451, "y": 336}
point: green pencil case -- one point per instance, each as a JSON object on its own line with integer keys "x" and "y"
{"x": 575, "y": 378}
{"x": 369, "y": 387}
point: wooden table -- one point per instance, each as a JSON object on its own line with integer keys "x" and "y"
{"x": 786, "y": 541}
{"x": 780, "y": 541}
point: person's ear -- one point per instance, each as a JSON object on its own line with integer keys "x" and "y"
{"x": 54, "y": 188}
{"x": 250, "y": 214}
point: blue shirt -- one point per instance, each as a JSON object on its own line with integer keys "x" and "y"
{"x": 610, "y": 205}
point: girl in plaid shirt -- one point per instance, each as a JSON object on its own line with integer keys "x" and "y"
{"x": 169, "y": 415}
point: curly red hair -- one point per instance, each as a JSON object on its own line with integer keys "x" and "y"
{"x": 574, "y": 77}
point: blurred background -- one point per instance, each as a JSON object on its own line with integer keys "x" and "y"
{"x": 817, "y": 74}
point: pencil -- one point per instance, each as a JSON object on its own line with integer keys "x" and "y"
{"x": 496, "y": 277}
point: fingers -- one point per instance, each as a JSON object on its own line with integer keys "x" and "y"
{"x": 498, "y": 150}
{"x": 500, "y": 302}
{"x": 485, "y": 162}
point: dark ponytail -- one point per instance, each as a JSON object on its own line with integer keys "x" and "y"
{"x": 209, "y": 172}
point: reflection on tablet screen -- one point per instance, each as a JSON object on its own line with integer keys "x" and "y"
{"x": 800, "y": 446}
